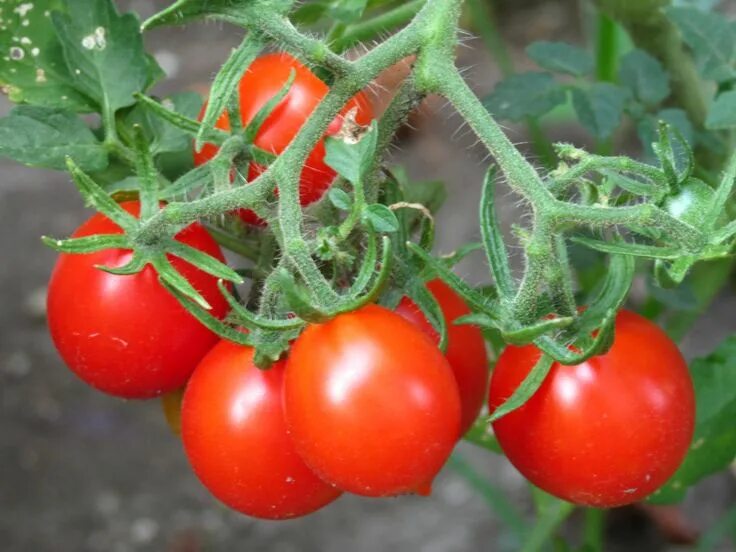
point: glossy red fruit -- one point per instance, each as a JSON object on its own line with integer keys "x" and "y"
{"x": 371, "y": 403}
{"x": 263, "y": 80}
{"x": 127, "y": 335}
{"x": 466, "y": 349}
{"x": 606, "y": 432}
{"x": 235, "y": 438}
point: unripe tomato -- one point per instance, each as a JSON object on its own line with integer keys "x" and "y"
{"x": 263, "y": 80}
{"x": 466, "y": 349}
{"x": 691, "y": 202}
{"x": 371, "y": 403}
{"x": 606, "y": 432}
{"x": 235, "y": 438}
{"x": 127, "y": 335}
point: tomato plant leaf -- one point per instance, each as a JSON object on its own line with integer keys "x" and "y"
{"x": 352, "y": 159}
{"x": 99, "y": 46}
{"x": 714, "y": 443}
{"x": 525, "y": 95}
{"x": 340, "y": 198}
{"x": 600, "y": 107}
{"x": 33, "y": 69}
{"x": 163, "y": 135}
{"x": 202, "y": 261}
{"x": 644, "y": 75}
{"x": 44, "y": 137}
{"x": 380, "y": 218}
{"x": 348, "y": 11}
{"x": 712, "y": 38}
{"x": 532, "y": 382}
{"x": 722, "y": 112}
{"x": 560, "y": 57}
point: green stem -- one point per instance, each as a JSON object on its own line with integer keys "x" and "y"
{"x": 554, "y": 515}
{"x": 233, "y": 243}
{"x": 593, "y": 529}
{"x": 606, "y": 49}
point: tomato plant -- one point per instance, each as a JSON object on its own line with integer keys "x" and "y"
{"x": 263, "y": 80}
{"x": 606, "y": 432}
{"x": 236, "y": 438}
{"x": 371, "y": 403}
{"x": 466, "y": 349}
{"x": 114, "y": 331}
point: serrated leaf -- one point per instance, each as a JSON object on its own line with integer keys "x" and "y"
{"x": 340, "y": 198}
{"x": 525, "y": 95}
{"x": 712, "y": 39}
{"x": 644, "y": 76}
{"x": 45, "y": 137}
{"x": 99, "y": 47}
{"x": 560, "y": 57}
{"x": 32, "y": 68}
{"x": 722, "y": 112}
{"x": 380, "y": 218}
{"x": 714, "y": 443}
{"x": 600, "y": 108}
{"x": 352, "y": 160}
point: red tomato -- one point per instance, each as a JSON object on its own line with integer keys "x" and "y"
{"x": 262, "y": 81}
{"x": 466, "y": 349}
{"x": 606, "y": 432}
{"x": 371, "y": 403}
{"x": 127, "y": 335}
{"x": 235, "y": 437}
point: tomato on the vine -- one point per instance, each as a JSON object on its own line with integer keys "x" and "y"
{"x": 371, "y": 403}
{"x": 466, "y": 350}
{"x": 263, "y": 80}
{"x": 235, "y": 437}
{"x": 606, "y": 432}
{"x": 127, "y": 335}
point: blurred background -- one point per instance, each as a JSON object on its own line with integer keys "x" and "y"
{"x": 80, "y": 471}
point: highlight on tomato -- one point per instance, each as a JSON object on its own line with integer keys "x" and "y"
{"x": 127, "y": 335}
{"x": 466, "y": 349}
{"x": 263, "y": 80}
{"x": 371, "y": 403}
{"x": 606, "y": 432}
{"x": 236, "y": 439}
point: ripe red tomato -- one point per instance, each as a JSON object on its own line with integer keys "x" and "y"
{"x": 371, "y": 403}
{"x": 262, "y": 81}
{"x": 235, "y": 438}
{"x": 127, "y": 335}
{"x": 606, "y": 432}
{"x": 466, "y": 349}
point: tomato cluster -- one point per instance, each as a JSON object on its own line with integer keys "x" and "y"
{"x": 366, "y": 402}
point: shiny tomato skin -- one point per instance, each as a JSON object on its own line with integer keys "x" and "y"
{"x": 264, "y": 79}
{"x": 604, "y": 433}
{"x": 235, "y": 437}
{"x": 466, "y": 349}
{"x": 127, "y": 335}
{"x": 371, "y": 403}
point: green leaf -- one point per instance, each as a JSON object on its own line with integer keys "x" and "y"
{"x": 163, "y": 136}
{"x": 712, "y": 39}
{"x": 340, "y": 198}
{"x": 714, "y": 443}
{"x": 722, "y": 112}
{"x": 33, "y": 69}
{"x": 352, "y": 160}
{"x": 104, "y": 52}
{"x": 532, "y": 382}
{"x": 560, "y": 57}
{"x": 348, "y": 11}
{"x": 645, "y": 77}
{"x": 45, "y": 137}
{"x": 600, "y": 108}
{"x": 88, "y": 244}
{"x": 380, "y": 218}
{"x": 525, "y": 95}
